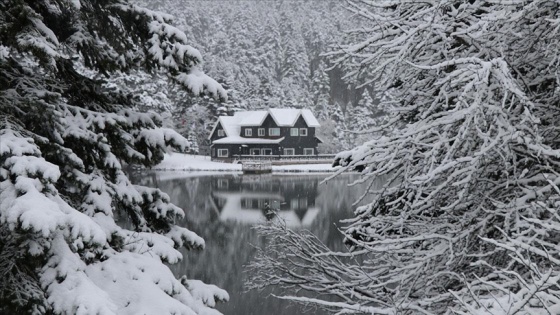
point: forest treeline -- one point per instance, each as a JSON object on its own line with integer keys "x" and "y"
{"x": 265, "y": 54}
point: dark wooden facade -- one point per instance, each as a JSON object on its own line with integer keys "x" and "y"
{"x": 301, "y": 144}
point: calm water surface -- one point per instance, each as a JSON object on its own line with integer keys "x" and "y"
{"x": 222, "y": 209}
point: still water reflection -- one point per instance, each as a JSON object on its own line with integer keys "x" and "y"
{"x": 222, "y": 210}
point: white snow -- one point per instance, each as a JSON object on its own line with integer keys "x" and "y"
{"x": 77, "y": 4}
{"x": 30, "y": 165}
{"x": 13, "y": 144}
{"x": 289, "y": 116}
{"x": 327, "y": 167}
{"x": 198, "y": 82}
{"x": 186, "y": 162}
{"x": 156, "y": 291}
{"x": 309, "y": 118}
{"x": 70, "y": 290}
{"x": 4, "y": 52}
{"x": 47, "y": 32}
{"x": 207, "y": 293}
{"x": 251, "y": 118}
{"x": 179, "y": 161}
{"x": 229, "y": 124}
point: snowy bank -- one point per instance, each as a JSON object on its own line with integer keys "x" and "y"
{"x": 186, "y": 162}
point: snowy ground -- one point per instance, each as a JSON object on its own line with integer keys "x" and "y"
{"x": 186, "y": 162}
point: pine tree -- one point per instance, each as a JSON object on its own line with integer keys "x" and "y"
{"x": 338, "y": 134}
{"x": 268, "y": 52}
{"x": 193, "y": 140}
{"x": 64, "y": 140}
{"x": 321, "y": 92}
{"x": 361, "y": 115}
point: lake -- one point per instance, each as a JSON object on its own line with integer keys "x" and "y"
{"x": 223, "y": 208}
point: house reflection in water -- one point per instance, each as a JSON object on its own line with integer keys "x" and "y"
{"x": 247, "y": 199}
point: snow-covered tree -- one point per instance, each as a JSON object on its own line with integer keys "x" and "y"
{"x": 193, "y": 140}
{"x": 266, "y": 52}
{"x": 360, "y": 119}
{"x": 468, "y": 219}
{"x": 339, "y": 133}
{"x": 76, "y": 236}
{"x": 321, "y": 92}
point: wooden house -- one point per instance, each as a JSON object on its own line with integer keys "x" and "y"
{"x": 272, "y": 132}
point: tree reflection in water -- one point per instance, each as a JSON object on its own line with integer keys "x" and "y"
{"x": 222, "y": 209}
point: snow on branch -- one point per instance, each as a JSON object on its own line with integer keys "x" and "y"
{"x": 465, "y": 216}
{"x": 167, "y": 46}
{"x": 70, "y": 218}
{"x": 207, "y": 293}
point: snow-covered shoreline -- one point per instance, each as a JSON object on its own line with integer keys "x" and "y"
{"x": 196, "y": 163}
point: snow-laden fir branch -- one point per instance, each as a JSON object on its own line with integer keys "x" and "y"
{"x": 76, "y": 236}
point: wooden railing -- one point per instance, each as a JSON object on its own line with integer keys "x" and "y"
{"x": 325, "y": 157}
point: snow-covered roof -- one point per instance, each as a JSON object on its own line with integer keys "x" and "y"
{"x": 230, "y": 125}
{"x": 252, "y": 118}
{"x": 238, "y": 139}
{"x": 284, "y": 117}
{"x": 309, "y": 118}
{"x": 289, "y": 116}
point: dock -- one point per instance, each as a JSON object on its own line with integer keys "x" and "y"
{"x": 256, "y": 167}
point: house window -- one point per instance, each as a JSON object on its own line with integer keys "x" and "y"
{"x": 289, "y": 151}
{"x": 261, "y": 132}
{"x": 308, "y": 151}
{"x": 266, "y": 151}
{"x": 222, "y": 152}
{"x": 254, "y": 151}
{"x": 223, "y": 183}
{"x": 273, "y": 131}
{"x": 248, "y": 132}
{"x": 221, "y": 133}
{"x": 294, "y": 203}
{"x": 303, "y": 132}
{"x": 294, "y": 132}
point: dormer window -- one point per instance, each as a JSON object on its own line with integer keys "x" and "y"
{"x": 221, "y": 133}
{"x": 248, "y": 132}
{"x": 294, "y": 132}
{"x": 261, "y": 132}
{"x": 303, "y": 132}
{"x": 273, "y": 131}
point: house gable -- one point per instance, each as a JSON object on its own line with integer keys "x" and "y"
{"x": 265, "y": 122}
{"x": 299, "y": 143}
{"x": 214, "y": 133}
